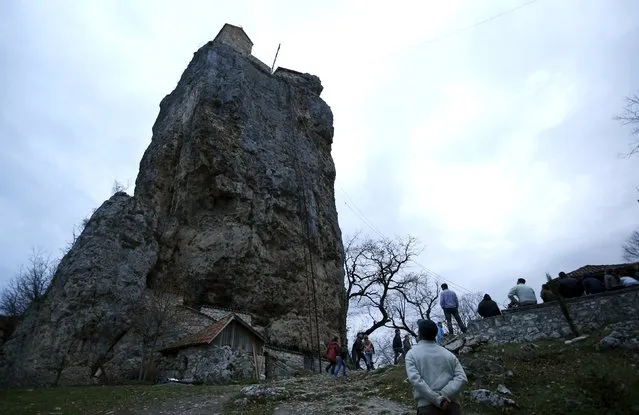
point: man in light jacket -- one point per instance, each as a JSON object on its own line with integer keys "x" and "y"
{"x": 435, "y": 373}
{"x": 522, "y": 294}
{"x": 448, "y": 302}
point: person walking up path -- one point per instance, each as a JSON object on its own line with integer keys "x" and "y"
{"x": 342, "y": 357}
{"x": 331, "y": 352}
{"x": 398, "y": 347}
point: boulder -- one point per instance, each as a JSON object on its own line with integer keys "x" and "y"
{"x": 455, "y": 345}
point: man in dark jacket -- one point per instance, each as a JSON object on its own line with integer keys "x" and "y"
{"x": 570, "y": 287}
{"x": 593, "y": 285}
{"x": 398, "y": 347}
{"x": 488, "y": 308}
{"x": 358, "y": 351}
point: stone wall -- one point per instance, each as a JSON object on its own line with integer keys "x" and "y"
{"x": 546, "y": 321}
{"x": 282, "y": 363}
{"x": 208, "y": 364}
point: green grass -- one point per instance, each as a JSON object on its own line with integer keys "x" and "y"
{"x": 95, "y": 399}
{"x": 554, "y": 378}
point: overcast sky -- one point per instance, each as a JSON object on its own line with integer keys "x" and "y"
{"x": 495, "y": 145}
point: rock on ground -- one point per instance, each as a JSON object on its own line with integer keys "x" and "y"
{"x": 344, "y": 405}
{"x": 320, "y": 394}
{"x": 624, "y": 335}
{"x": 486, "y": 397}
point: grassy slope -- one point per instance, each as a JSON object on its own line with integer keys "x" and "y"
{"x": 97, "y": 399}
{"x": 554, "y": 378}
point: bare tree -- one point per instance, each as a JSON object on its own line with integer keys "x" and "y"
{"x": 119, "y": 187}
{"x": 379, "y": 283}
{"x": 630, "y": 116}
{"x": 155, "y": 321}
{"x": 384, "y": 353}
{"x": 29, "y": 285}
{"x": 76, "y": 232}
{"x": 631, "y": 247}
{"x": 468, "y": 306}
{"x": 417, "y": 301}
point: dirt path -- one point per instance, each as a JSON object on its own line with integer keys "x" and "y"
{"x": 320, "y": 394}
{"x": 344, "y": 405}
{"x": 208, "y": 404}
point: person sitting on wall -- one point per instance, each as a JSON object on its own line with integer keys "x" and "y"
{"x": 488, "y": 308}
{"x": 521, "y": 294}
{"x": 627, "y": 281}
{"x": 570, "y": 287}
{"x": 593, "y": 285}
{"x": 612, "y": 282}
{"x": 546, "y": 294}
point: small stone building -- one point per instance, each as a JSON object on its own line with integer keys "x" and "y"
{"x": 226, "y": 350}
{"x": 235, "y": 37}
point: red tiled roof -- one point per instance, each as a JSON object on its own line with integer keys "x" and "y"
{"x": 209, "y": 333}
{"x": 594, "y": 269}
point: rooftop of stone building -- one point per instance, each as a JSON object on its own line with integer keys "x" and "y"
{"x": 600, "y": 269}
{"x": 209, "y": 333}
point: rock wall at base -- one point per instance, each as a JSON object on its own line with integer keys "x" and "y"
{"x": 281, "y": 364}
{"x": 208, "y": 364}
{"x": 546, "y": 321}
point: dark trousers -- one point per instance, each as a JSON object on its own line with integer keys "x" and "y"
{"x": 449, "y": 313}
{"x": 398, "y": 352}
{"x": 331, "y": 367}
{"x": 453, "y": 409}
{"x": 357, "y": 358}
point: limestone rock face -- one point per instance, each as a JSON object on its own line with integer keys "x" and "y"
{"x": 91, "y": 302}
{"x": 233, "y": 207}
{"x": 240, "y": 176}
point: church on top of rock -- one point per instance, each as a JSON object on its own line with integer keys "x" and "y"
{"x": 235, "y": 37}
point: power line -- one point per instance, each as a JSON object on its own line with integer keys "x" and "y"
{"x": 370, "y": 224}
{"x": 479, "y": 23}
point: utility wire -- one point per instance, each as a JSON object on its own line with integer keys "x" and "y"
{"x": 476, "y": 24}
{"x": 358, "y": 212}
{"x": 369, "y": 223}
